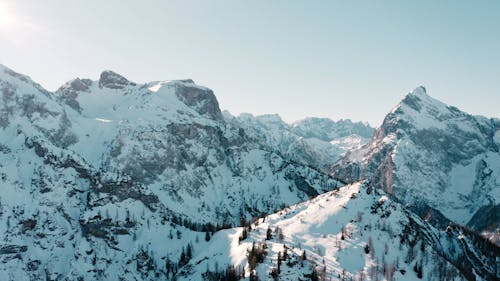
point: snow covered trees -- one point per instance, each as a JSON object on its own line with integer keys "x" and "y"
{"x": 256, "y": 255}
{"x": 244, "y": 233}
{"x": 186, "y": 255}
{"x": 231, "y": 273}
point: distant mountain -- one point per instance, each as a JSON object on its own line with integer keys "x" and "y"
{"x": 443, "y": 162}
{"x": 318, "y": 142}
{"x": 327, "y": 130}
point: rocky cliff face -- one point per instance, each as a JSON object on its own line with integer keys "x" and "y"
{"x": 438, "y": 159}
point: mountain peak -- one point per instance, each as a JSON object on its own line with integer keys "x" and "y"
{"x": 76, "y": 84}
{"x": 426, "y": 148}
{"x": 418, "y": 101}
{"x": 419, "y": 91}
{"x": 112, "y": 80}
{"x": 414, "y": 98}
{"x": 188, "y": 81}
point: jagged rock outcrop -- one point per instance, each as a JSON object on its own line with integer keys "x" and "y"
{"x": 112, "y": 80}
{"x": 199, "y": 98}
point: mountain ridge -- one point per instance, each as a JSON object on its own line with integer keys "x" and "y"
{"x": 118, "y": 179}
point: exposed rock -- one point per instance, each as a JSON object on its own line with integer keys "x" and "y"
{"x": 200, "y": 99}
{"x": 12, "y": 249}
{"x": 112, "y": 80}
{"x": 28, "y": 224}
{"x": 33, "y": 265}
{"x": 69, "y": 92}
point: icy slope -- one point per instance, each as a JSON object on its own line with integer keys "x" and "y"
{"x": 354, "y": 232}
{"x": 442, "y": 161}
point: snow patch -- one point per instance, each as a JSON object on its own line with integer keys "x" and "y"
{"x": 103, "y": 120}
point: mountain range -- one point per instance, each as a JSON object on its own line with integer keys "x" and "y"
{"x": 110, "y": 179}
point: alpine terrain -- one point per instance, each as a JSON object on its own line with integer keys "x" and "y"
{"x": 110, "y": 179}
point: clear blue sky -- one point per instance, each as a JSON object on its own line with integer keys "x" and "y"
{"x": 337, "y": 59}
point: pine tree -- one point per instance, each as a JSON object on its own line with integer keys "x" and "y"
{"x": 314, "y": 275}
{"x": 244, "y": 234}
{"x": 372, "y": 249}
{"x": 279, "y": 262}
{"x": 418, "y": 269}
{"x": 252, "y": 276}
{"x": 269, "y": 233}
{"x": 323, "y": 274}
{"x": 275, "y": 274}
{"x": 182, "y": 259}
{"x": 189, "y": 251}
{"x": 168, "y": 265}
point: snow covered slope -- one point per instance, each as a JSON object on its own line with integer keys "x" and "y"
{"x": 114, "y": 180}
{"x": 354, "y": 232}
{"x": 99, "y": 171}
{"x": 442, "y": 161}
{"x": 169, "y": 137}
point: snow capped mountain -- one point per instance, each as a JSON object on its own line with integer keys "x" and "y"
{"x": 444, "y": 162}
{"x": 110, "y": 179}
{"x": 84, "y": 170}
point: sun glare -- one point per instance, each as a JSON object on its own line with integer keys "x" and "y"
{"x": 5, "y": 18}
